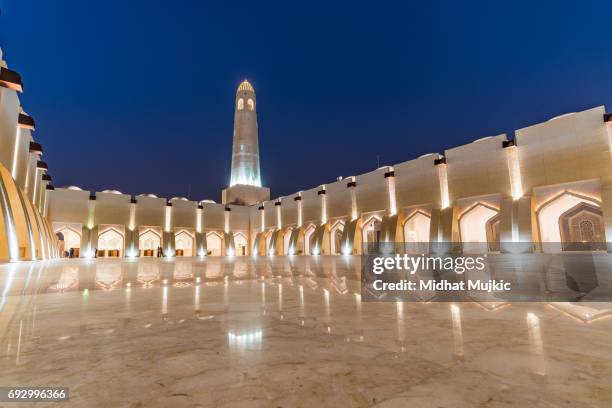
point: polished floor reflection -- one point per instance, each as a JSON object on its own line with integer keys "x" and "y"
{"x": 286, "y": 331}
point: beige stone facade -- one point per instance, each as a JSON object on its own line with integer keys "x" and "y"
{"x": 546, "y": 188}
{"x": 25, "y": 234}
{"x": 495, "y": 193}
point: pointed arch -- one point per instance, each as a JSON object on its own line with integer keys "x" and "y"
{"x": 184, "y": 243}
{"x": 416, "y": 232}
{"x": 571, "y": 221}
{"x": 335, "y": 241}
{"x": 371, "y": 230}
{"x": 72, "y": 239}
{"x": 111, "y": 243}
{"x": 149, "y": 240}
{"x": 479, "y": 228}
{"x": 241, "y": 244}
{"x": 214, "y": 243}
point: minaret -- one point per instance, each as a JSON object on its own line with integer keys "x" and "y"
{"x": 245, "y": 150}
{"x": 245, "y": 182}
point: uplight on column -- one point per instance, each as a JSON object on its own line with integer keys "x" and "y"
{"x": 390, "y": 177}
{"x": 298, "y": 200}
{"x": 514, "y": 168}
{"x": 91, "y": 211}
{"x": 228, "y": 211}
{"x": 262, "y": 218}
{"x": 323, "y": 195}
{"x": 132, "y": 220}
{"x": 199, "y": 212}
{"x": 279, "y": 221}
{"x": 168, "y": 217}
{"x": 443, "y": 178}
{"x": 35, "y": 191}
{"x": 200, "y": 229}
{"x": 16, "y": 153}
{"x": 352, "y": 188}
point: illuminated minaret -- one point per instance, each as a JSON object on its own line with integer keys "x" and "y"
{"x": 245, "y": 182}
{"x": 245, "y": 149}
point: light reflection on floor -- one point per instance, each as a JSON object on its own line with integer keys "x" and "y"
{"x": 285, "y": 331}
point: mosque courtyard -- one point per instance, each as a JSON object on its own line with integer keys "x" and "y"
{"x": 285, "y": 331}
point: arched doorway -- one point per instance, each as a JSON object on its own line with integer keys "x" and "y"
{"x": 183, "y": 243}
{"x": 214, "y": 243}
{"x": 241, "y": 244}
{"x": 479, "y": 229}
{"x": 308, "y": 238}
{"x": 72, "y": 241}
{"x": 371, "y": 233}
{"x": 148, "y": 242}
{"x": 571, "y": 222}
{"x": 110, "y": 243}
{"x": 416, "y": 233}
{"x": 336, "y": 238}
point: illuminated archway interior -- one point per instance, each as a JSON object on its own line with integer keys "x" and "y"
{"x": 416, "y": 233}
{"x": 569, "y": 220}
{"x": 72, "y": 240}
{"x": 371, "y": 231}
{"x": 241, "y": 244}
{"x": 110, "y": 243}
{"x": 214, "y": 243}
{"x": 336, "y": 238}
{"x": 149, "y": 242}
{"x": 183, "y": 242}
{"x": 479, "y": 229}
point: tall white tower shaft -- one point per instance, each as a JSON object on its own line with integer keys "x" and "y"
{"x": 245, "y": 149}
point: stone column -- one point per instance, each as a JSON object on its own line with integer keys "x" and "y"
{"x": 295, "y": 233}
{"x": 132, "y": 236}
{"x": 39, "y": 185}
{"x": 168, "y": 234}
{"x": 516, "y": 225}
{"x": 131, "y": 243}
{"x": 323, "y": 197}
{"x": 390, "y": 229}
{"x": 276, "y": 243}
{"x": 89, "y": 241}
{"x": 350, "y": 243}
{"x": 228, "y": 240}
{"x": 32, "y": 172}
{"x": 200, "y": 236}
{"x": 320, "y": 240}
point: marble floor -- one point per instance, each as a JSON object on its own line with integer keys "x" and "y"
{"x": 285, "y": 332}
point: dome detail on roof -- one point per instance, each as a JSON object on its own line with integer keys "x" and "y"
{"x": 245, "y": 86}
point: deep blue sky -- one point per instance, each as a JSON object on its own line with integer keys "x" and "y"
{"x": 138, "y": 95}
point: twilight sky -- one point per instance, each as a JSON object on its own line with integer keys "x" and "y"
{"x": 138, "y": 95}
